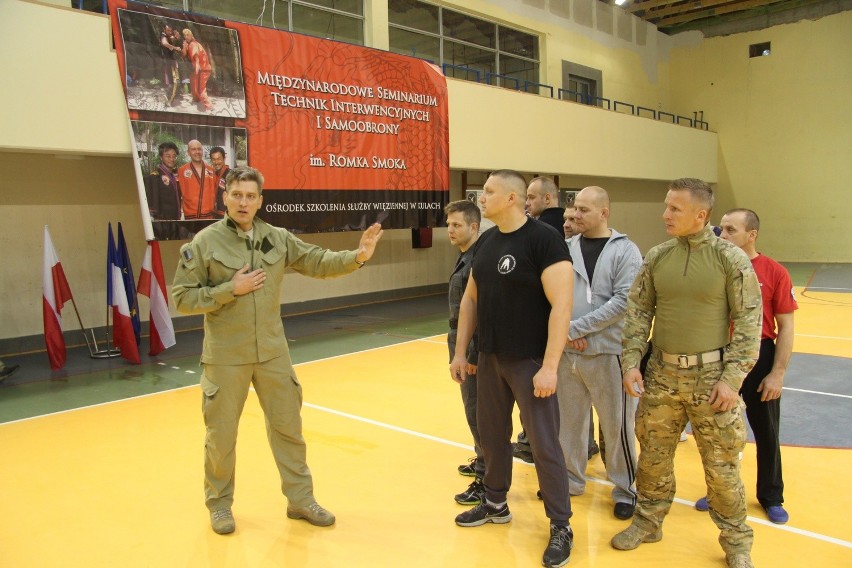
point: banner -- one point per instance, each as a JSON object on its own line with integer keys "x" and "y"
{"x": 344, "y": 135}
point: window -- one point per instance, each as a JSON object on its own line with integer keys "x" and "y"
{"x": 581, "y": 89}
{"x": 582, "y": 84}
{"x": 759, "y": 49}
{"x": 341, "y": 20}
{"x": 471, "y": 48}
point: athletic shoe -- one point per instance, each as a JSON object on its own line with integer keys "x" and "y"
{"x": 738, "y": 561}
{"x": 683, "y": 437}
{"x": 222, "y": 521}
{"x": 468, "y": 469}
{"x": 594, "y": 450}
{"x": 633, "y": 536}
{"x": 777, "y": 514}
{"x": 473, "y": 495}
{"x": 559, "y": 548}
{"x": 522, "y": 452}
{"x": 623, "y": 511}
{"x": 313, "y": 513}
{"x": 702, "y": 505}
{"x": 484, "y": 513}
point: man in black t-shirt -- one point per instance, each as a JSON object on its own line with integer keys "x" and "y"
{"x": 518, "y": 299}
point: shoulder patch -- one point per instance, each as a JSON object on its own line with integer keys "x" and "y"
{"x": 186, "y": 253}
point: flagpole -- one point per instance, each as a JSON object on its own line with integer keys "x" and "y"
{"x": 140, "y": 184}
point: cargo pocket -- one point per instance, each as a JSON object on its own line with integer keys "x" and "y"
{"x": 732, "y": 431}
{"x": 208, "y": 390}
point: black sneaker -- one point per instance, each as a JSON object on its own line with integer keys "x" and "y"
{"x": 522, "y": 452}
{"x": 473, "y": 495}
{"x": 594, "y": 450}
{"x": 468, "y": 469}
{"x": 484, "y": 513}
{"x": 559, "y": 548}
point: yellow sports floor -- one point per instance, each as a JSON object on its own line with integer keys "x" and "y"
{"x": 120, "y": 484}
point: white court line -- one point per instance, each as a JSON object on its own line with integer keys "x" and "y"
{"x": 810, "y": 534}
{"x": 824, "y": 337}
{"x": 424, "y": 339}
{"x": 107, "y": 403}
{"x": 431, "y": 438}
{"x": 817, "y": 392}
{"x": 802, "y": 532}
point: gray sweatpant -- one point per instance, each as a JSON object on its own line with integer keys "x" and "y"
{"x": 586, "y": 380}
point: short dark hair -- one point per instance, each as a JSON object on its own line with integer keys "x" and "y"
{"x": 515, "y": 180}
{"x": 168, "y": 146}
{"x": 217, "y": 149}
{"x": 752, "y": 221}
{"x": 548, "y": 186}
{"x": 244, "y": 173}
{"x": 699, "y": 190}
{"x": 468, "y": 209}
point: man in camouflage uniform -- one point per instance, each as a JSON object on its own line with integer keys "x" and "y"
{"x": 695, "y": 288}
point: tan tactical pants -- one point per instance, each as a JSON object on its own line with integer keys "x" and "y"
{"x": 225, "y": 388}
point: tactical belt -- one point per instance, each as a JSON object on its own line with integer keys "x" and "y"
{"x": 689, "y": 361}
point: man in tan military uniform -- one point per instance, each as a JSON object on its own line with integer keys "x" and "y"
{"x": 704, "y": 299}
{"x": 232, "y": 272}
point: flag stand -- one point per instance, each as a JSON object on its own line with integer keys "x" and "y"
{"x": 95, "y": 351}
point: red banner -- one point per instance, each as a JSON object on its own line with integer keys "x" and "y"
{"x": 344, "y": 135}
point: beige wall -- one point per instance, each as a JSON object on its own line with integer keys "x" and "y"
{"x": 77, "y": 197}
{"x": 785, "y": 130}
{"x": 490, "y": 125}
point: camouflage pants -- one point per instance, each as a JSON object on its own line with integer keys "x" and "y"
{"x": 673, "y": 396}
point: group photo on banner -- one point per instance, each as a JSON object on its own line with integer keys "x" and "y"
{"x": 344, "y": 135}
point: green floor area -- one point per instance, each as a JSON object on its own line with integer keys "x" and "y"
{"x": 35, "y": 390}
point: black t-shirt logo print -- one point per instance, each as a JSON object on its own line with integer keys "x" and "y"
{"x": 506, "y": 264}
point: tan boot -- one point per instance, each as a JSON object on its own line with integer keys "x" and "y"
{"x": 739, "y": 561}
{"x": 633, "y": 536}
{"x": 312, "y": 513}
{"x": 222, "y": 521}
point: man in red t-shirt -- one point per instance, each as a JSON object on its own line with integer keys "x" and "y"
{"x": 761, "y": 390}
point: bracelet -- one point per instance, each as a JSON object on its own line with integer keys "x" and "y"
{"x": 359, "y": 263}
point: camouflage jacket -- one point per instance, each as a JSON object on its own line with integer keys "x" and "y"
{"x": 701, "y": 293}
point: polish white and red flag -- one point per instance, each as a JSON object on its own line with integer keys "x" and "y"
{"x": 123, "y": 336}
{"x": 55, "y": 292}
{"x": 153, "y": 284}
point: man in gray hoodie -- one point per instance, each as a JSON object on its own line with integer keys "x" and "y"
{"x": 605, "y": 264}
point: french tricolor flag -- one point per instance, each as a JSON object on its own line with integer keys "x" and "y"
{"x": 123, "y": 336}
{"x": 153, "y": 284}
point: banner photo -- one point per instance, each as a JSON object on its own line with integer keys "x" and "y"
{"x": 344, "y": 135}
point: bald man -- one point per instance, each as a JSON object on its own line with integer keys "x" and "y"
{"x": 517, "y": 298}
{"x": 542, "y": 202}
{"x": 605, "y": 264}
{"x": 198, "y": 184}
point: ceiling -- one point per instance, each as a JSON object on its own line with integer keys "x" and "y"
{"x": 715, "y": 16}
